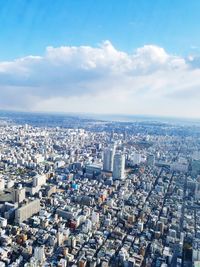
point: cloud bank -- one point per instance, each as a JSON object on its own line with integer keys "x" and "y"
{"x": 103, "y": 80}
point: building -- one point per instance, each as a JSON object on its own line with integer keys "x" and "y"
{"x": 2, "y": 184}
{"x": 18, "y": 194}
{"x": 49, "y": 190}
{"x": 3, "y": 222}
{"x": 39, "y": 180}
{"x": 195, "y": 168}
{"x": 39, "y": 254}
{"x": 119, "y": 166}
{"x": 136, "y": 158}
{"x": 27, "y": 210}
{"x": 92, "y": 170}
{"x": 197, "y": 191}
{"x": 196, "y": 250}
{"x": 108, "y": 159}
{"x": 95, "y": 217}
{"x": 150, "y": 160}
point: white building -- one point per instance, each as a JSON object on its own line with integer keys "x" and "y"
{"x": 136, "y": 158}
{"x": 95, "y": 217}
{"x": 39, "y": 180}
{"x": 3, "y": 222}
{"x": 2, "y": 184}
{"x": 119, "y": 166}
{"x": 108, "y": 159}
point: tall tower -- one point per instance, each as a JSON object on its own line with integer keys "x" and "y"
{"x": 108, "y": 158}
{"x": 119, "y": 166}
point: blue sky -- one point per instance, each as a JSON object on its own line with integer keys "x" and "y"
{"x": 28, "y": 26}
{"x": 101, "y": 56}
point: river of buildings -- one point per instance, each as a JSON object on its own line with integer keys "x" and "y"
{"x": 99, "y": 193}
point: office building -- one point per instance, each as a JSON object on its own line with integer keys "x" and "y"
{"x": 108, "y": 159}
{"x": 119, "y": 166}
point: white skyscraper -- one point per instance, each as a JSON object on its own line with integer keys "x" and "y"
{"x": 108, "y": 158}
{"x": 119, "y": 166}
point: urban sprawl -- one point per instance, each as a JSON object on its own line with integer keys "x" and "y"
{"x": 100, "y": 194}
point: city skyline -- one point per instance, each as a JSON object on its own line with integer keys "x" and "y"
{"x": 124, "y": 58}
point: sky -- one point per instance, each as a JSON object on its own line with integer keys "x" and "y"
{"x": 101, "y": 56}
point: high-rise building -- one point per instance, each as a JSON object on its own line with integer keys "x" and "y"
{"x": 18, "y": 194}
{"x": 119, "y": 166}
{"x": 108, "y": 159}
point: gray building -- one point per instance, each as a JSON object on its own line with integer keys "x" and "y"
{"x": 26, "y": 211}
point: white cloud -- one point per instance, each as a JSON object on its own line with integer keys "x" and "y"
{"x": 103, "y": 80}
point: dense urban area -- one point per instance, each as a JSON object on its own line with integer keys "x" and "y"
{"x": 83, "y": 192}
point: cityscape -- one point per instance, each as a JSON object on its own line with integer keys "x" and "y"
{"x": 99, "y": 133}
{"x": 101, "y": 193}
